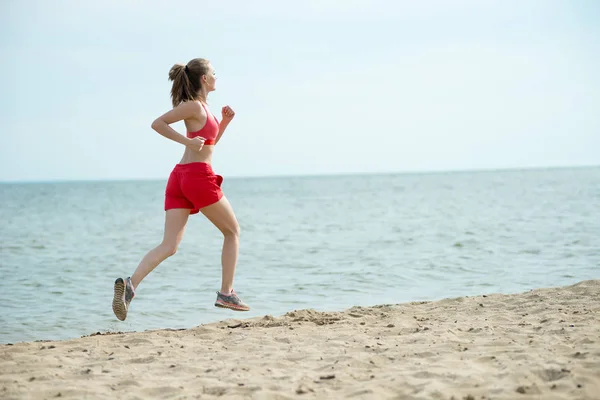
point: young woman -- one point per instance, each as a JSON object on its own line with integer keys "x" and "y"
{"x": 192, "y": 186}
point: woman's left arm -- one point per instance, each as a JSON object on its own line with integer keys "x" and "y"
{"x": 227, "y": 115}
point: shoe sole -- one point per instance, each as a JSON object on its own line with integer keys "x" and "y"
{"x": 231, "y": 307}
{"x": 118, "y": 304}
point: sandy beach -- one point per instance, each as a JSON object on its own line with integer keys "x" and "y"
{"x": 542, "y": 344}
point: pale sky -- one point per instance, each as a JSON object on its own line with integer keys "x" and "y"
{"x": 318, "y": 86}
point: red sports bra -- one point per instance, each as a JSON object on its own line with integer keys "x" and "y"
{"x": 210, "y": 129}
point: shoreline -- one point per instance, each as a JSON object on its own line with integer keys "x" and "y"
{"x": 543, "y": 343}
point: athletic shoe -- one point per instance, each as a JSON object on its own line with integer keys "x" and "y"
{"x": 124, "y": 293}
{"x": 232, "y": 302}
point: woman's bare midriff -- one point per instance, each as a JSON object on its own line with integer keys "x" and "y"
{"x": 204, "y": 155}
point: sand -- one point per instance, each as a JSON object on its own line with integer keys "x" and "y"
{"x": 542, "y": 344}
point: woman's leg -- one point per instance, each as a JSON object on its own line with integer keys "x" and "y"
{"x": 175, "y": 221}
{"x": 222, "y": 216}
{"x": 124, "y": 290}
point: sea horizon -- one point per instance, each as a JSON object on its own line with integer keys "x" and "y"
{"x": 331, "y": 175}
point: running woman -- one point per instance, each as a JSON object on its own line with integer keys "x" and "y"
{"x": 193, "y": 186}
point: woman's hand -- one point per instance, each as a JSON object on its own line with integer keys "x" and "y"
{"x": 227, "y": 114}
{"x": 196, "y": 143}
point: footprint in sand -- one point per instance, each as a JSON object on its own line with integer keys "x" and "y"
{"x": 144, "y": 360}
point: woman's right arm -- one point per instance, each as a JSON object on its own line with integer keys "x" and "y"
{"x": 188, "y": 109}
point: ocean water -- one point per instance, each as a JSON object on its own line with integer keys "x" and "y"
{"x": 326, "y": 243}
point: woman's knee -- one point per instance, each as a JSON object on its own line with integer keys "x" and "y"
{"x": 169, "y": 249}
{"x": 232, "y": 231}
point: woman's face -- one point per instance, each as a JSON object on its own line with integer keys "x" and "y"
{"x": 210, "y": 79}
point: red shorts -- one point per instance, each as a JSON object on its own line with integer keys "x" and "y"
{"x": 193, "y": 186}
